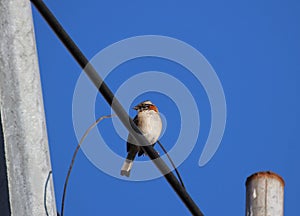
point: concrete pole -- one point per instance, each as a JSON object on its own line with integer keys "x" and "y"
{"x": 24, "y": 153}
{"x": 264, "y": 194}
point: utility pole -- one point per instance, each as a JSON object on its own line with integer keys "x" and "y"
{"x": 25, "y": 169}
{"x": 264, "y": 194}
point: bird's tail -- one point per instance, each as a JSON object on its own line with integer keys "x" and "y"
{"x": 127, "y": 165}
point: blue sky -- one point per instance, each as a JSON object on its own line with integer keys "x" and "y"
{"x": 254, "y": 48}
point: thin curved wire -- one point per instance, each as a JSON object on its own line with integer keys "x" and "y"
{"x": 78, "y": 147}
{"x": 74, "y": 156}
{"x": 45, "y": 192}
{"x": 172, "y": 163}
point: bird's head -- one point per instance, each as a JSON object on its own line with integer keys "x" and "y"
{"x": 145, "y": 105}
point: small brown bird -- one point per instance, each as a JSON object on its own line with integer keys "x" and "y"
{"x": 149, "y": 122}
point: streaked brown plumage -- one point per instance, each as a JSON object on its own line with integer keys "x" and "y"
{"x": 149, "y": 122}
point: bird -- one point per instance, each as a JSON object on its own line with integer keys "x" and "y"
{"x": 149, "y": 122}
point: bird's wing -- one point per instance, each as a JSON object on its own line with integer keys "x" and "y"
{"x": 130, "y": 139}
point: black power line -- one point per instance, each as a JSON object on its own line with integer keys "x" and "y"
{"x": 116, "y": 106}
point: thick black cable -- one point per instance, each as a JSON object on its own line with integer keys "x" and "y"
{"x": 115, "y": 105}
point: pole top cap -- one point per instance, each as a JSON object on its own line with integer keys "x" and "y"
{"x": 265, "y": 174}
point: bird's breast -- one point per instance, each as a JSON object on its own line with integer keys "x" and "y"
{"x": 150, "y": 125}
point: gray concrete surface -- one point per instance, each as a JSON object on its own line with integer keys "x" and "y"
{"x": 264, "y": 194}
{"x": 25, "y": 139}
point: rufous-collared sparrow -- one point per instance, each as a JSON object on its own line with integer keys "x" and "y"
{"x": 149, "y": 122}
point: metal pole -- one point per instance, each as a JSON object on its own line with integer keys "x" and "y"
{"x": 25, "y": 175}
{"x": 264, "y": 194}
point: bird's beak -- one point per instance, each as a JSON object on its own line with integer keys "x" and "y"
{"x": 136, "y": 108}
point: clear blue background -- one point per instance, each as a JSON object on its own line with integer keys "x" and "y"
{"x": 254, "y": 48}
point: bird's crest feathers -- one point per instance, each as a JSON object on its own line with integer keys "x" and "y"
{"x": 146, "y": 105}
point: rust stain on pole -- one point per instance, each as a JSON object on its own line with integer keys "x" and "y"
{"x": 267, "y": 174}
{"x": 265, "y": 194}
